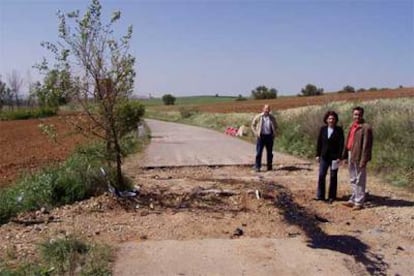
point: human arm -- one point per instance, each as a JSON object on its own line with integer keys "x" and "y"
{"x": 367, "y": 143}
{"x": 253, "y": 126}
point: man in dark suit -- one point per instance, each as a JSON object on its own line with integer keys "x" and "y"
{"x": 328, "y": 152}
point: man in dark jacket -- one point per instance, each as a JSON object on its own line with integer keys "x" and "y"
{"x": 358, "y": 151}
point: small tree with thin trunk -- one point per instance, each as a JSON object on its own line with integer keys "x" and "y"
{"x": 15, "y": 83}
{"x": 101, "y": 71}
{"x": 3, "y": 93}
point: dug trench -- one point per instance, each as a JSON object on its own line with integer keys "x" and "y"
{"x": 234, "y": 202}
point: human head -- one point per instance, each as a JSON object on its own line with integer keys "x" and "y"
{"x": 330, "y": 118}
{"x": 266, "y": 109}
{"x": 357, "y": 114}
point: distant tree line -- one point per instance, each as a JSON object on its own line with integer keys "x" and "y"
{"x": 262, "y": 92}
{"x": 10, "y": 94}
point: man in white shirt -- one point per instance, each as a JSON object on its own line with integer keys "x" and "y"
{"x": 264, "y": 127}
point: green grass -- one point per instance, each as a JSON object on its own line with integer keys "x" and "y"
{"x": 69, "y": 255}
{"x": 26, "y": 113}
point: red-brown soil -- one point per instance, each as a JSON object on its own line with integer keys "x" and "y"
{"x": 24, "y": 147}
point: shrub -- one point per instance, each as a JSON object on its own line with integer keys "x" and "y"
{"x": 168, "y": 99}
{"x": 129, "y": 113}
{"x": 187, "y": 112}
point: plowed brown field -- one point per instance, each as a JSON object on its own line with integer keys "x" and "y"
{"x": 294, "y": 101}
{"x": 23, "y": 146}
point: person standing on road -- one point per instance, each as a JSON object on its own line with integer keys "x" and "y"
{"x": 264, "y": 127}
{"x": 358, "y": 151}
{"x": 329, "y": 149}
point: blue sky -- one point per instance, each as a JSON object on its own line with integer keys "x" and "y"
{"x": 200, "y": 47}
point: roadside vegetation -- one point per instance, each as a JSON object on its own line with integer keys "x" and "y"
{"x": 69, "y": 255}
{"x": 78, "y": 178}
{"x": 391, "y": 119}
{"x": 26, "y": 113}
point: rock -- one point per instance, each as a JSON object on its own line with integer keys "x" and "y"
{"x": 238, "y": 232}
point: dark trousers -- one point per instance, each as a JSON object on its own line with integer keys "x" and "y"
{"x": 323, "y": 169}
{"x": 262, "y": 142}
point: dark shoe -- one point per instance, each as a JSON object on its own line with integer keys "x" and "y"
{"x": 330, "y": 200}
{"x": 349, "y": 204}
{"x": 318, "y": 199}
{"x": 357, "y": 207}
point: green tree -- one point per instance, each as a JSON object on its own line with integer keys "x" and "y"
{"x": 311, "y": 90}
{"x": 55, "y": 90}
{"x": 262, "y": 92}
{"x": 348, "y": 89}
{"x": 100, "y": 71}
{"x": 168, "y": 99}
{"x": 3, "y": 93}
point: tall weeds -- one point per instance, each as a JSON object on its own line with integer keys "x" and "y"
{"x": 393, "y": 127}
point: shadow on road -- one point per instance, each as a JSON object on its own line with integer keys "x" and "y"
{"x": 309, "y": 222}
{"x": 373, "y": 201}
{"x": 293, "y": 168}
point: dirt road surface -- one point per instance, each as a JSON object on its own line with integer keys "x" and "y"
{"x": 230, "y": 225}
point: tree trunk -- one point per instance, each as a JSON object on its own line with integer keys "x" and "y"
{"x": 120, "y": 179}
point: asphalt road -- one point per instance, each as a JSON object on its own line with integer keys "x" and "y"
{"x": 175, "y": 144}
{"x": 182, "y": 145}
